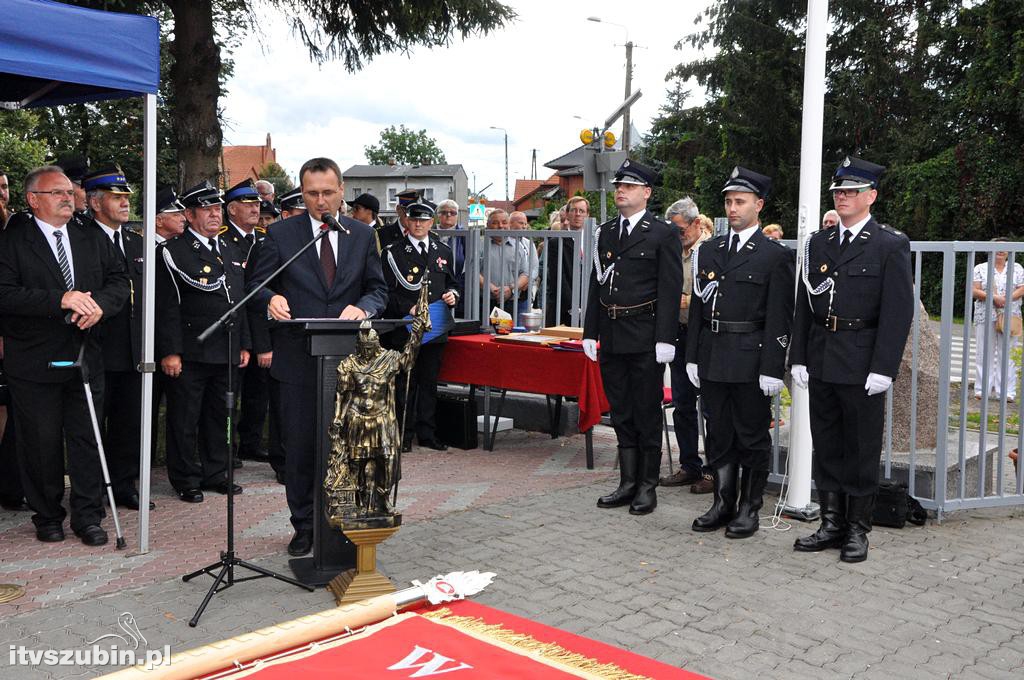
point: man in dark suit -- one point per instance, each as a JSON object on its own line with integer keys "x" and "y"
{"x": 737, "y": 335}
{"x": 57, "y": 279}
{"x": 577, "y": 211}
{"x": 107, "y": 193}
{"x": 201, "y": 278}
{"x": 854, "y": 308}
{"x": 339, "y": 278}
{"x": 406, "y": 262}
{"x": 632, "y": 309}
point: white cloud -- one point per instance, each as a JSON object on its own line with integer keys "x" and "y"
{"x": 531, "y": 78}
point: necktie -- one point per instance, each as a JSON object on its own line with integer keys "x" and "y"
{"x": 117, "y": 246}
{"x": 847, "y": 235}
{"x": 624, "y": 232}
{"x": 734, "y": 248}
{"x": 423, "y": 249}
{"x": 327, "y": 261}
{"x": 62, "y": 260}
{"x": 248, "y": 238}
{"x": 213, "y": 246}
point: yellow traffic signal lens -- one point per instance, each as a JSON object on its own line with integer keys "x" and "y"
{"x": 587, "y": 136}
{"x": 609, "y": 139}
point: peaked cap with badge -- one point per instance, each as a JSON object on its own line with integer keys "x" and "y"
{"x": 292, "y": 200}
{"x": 634, "y": 172}
{"x": 743, "y": 179}
{"x": 108, "y": 177}
{"x": 243, "y": 192}
{"x": 167, "y": 201}
{"x": 421, "y": 210}
{"x": 201, "y": 195}
{"x": 856, "y": 173}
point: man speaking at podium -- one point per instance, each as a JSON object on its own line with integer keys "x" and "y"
{"x": 339, "y": 278}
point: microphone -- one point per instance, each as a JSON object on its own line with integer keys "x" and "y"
{"x": 328, "y": 219}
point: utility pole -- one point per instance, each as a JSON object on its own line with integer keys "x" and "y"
{"x": 629, "y": 91}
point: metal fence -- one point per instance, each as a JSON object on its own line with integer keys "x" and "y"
{"x": 950, "y": 448}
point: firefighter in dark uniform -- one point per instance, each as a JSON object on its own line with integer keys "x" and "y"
{"x": 632, "y": 310}
{"x": 854, "y": 307}
{"x": 242, "y": 217}
{"x": 292, "y": 203}
{"x": 737, "y": 335}
{"x": 201, "y": 277}
{"x": 406, "y": 262}
{"x": 107, "y": 193}
{"x": 394, "y": 231}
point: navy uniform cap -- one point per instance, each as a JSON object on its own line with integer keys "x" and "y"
{"x": 267, "y": 208}
{"x": 421, "y": 210}
{"x": 368, "y": 201}
{"x": 201, "y": 195}
{"x": 74, "y": 167}
{"x": 243, "y": 192}
{"x": 167, "y": 201}
{"x": 752, "y": 182}
{"x": 108, "y": 177}
{"x": 632, "y": 172}
{"x": 408, "y": 197}
{"x": 856, "y": 173}
{"x": 293, "y": 200}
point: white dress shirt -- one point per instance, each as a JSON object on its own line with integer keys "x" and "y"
{"x": 744, "y": 236}
{"x": 48, "y": 230}
{"x": 331, "y": 234}
{"x": 853, "y": 229}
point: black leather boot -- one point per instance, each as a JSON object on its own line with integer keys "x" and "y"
{"x": 723, "y": 508}
{"x": 628, "y": 461}
{"x": 751, "y": 500}
{"x": 646, "y": 498}
{"x": 832, "y": 532}
{"x": 858, "y": 519}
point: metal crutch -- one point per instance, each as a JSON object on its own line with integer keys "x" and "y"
{"x": 84, "y": 371}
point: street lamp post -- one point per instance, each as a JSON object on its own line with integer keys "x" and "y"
{"x": 494, "y": 127}
{"x": 629, "y": 79}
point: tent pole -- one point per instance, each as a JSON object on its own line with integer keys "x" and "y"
{"x": 148, "y": 280}
{"x": 798, "y": 501}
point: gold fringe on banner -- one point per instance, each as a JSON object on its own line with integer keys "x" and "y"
{"x": 548, "y": 651}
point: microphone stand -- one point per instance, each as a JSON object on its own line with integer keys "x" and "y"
{"x": 225, "y": 577}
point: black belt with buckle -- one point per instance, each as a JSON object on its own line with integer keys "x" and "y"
{"x": 836, "y": 323}
{"x": 619, "y": 312}
{"x": 717, "y": 326}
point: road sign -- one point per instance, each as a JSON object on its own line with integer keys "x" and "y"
{"x": 476, "y": 212}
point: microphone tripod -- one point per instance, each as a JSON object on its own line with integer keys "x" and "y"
{"x": 225, "y": 566}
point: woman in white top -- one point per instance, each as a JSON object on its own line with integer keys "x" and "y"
{"x": 1009, "y": 305}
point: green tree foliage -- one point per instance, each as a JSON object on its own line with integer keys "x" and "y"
{"x": 20, "y": 151}
{"x": 276, "y": 175}
{"x": 404, "y": 147}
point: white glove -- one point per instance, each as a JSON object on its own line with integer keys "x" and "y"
{"x": 664, "y": 352}
{"x": 590, "y": 348}
{"x": 876, "y": 384}
{"x": 799, "y": 373}
{"x": 691, "y": 373}
{"x": 769, "y": 386}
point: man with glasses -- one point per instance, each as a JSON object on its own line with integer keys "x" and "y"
{"x": 558, "y": 305}
{"x": 448, "y": 218}
{"x": 854, "y": 307}
{"x": 340, "y": 279}
{"x": 57, "y": 279}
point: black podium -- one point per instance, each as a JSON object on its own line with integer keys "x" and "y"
{"x": 329, "y": 341}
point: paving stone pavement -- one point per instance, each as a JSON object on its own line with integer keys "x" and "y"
{"x": 942, "y": 601}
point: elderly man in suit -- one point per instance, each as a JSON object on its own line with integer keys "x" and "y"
{"x": 57, "y": 279}
{"x": 342, "y": 278}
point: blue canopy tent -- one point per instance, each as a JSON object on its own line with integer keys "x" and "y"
{"x": 52, "y": 54}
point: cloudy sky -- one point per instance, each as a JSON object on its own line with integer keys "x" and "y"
{"x": 532, "y": 78}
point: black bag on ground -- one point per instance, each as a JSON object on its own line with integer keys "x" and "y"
{"x": 455, "y": 420}
{"x": 894, "y": 506}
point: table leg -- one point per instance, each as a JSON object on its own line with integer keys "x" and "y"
{"x": 497, "y": 417}
{"x": 554, "y": 416}
{"x": 589, "y": 436}
{"x": 488, "y": 443}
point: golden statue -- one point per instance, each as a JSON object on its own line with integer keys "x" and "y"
{"x": 365, "y": 464}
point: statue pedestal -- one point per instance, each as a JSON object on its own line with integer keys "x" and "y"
{"x": 364, "y": 581}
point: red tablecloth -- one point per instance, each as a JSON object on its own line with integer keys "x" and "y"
{"x": 478, "y": 360}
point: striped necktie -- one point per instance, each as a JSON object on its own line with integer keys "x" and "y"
{"x": 62, "y": 260}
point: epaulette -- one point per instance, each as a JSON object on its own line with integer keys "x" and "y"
{"x": 891, "y": 230}
{"x": 222, "y": 229}
{"x": 262, "y": 230}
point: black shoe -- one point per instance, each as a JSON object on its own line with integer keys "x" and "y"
{"x": 131, "y": 501}
{"x": 191, "y": 495}
{"x": 832, "y": 532}
{"x": 236, "y": 462}
{"x": 747, "y": 518}
{"x": 92, "y": 535}
{"x": 406, "y": 445}
{"x": 258, "y": 455}
{"x": 50, "y": 533}
{"x": 723, "y": 508}
{"x": 433, "y": 444}
{"x": 858, "y": 518}
{"x": 623, "y": 495}
{"x": 279, "y": 475}
{"x": 301, "y": 543}
{"x": 221, "y": 487}
{"x": 14, "y": 504}
{"x": 646, "y": 498}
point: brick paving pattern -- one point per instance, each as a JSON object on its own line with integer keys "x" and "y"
{"x": 941, "y": 601}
